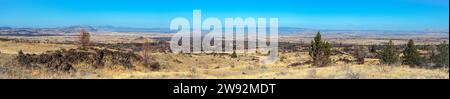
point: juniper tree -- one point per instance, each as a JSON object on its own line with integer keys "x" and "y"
{"x": 234, "y": 55}
{"x": 389, "y": 55}
{"x": 442, "y": 57}
{"x": 427, "y": 59}
{"x": 320, "y": 51}
{"x": 410, "y": 55}
{"x": 373, "y": 49}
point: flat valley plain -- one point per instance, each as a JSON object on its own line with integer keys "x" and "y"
{"x": 216, "y": 66}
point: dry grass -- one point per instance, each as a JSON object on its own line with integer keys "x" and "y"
{"x": 203, "y": 66}
{"x": 176, "y": 66}
{"x": 10, "y": 47}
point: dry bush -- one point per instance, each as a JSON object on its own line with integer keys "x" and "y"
{"x": 352, "y": 75}
{"x": 147, "y": 59}
{"x": 360, "y": 53}
{"x": 312, "y": 73}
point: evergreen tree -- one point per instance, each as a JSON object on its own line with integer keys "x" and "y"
{"x": 441, "y": 58}
{"x": 373, "y": 49}
{"x": 410, "y": 55}
{"x": 389, "y": 55}
{"x": 320, "y": 51}
{"x": 234, "y": 55}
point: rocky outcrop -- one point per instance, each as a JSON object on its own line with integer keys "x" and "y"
{"x": 63, "y": 60}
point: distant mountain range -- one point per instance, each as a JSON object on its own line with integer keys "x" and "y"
{"x": 8, "y": 31}
{"x": 284, "y": 31}
{"x": 73, "y": 30}
{"x": 131, "y": 29}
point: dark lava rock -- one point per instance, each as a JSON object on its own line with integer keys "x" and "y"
{"x": 63, "y": 60}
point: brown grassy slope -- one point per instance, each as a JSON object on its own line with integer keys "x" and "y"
{"x": 214, "y": 67}
{"x": 202, "y": 66}
{"x": 10, "y": 47}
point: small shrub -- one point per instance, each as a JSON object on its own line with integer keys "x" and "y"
{"x": 234, "y": 55}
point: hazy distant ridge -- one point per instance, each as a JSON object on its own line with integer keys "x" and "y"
{"x": 284, "y": 31}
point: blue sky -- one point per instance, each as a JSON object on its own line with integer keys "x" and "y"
{"x": 318, "y": 14}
